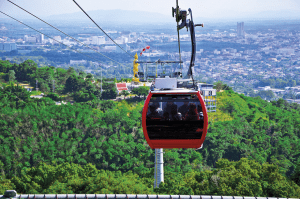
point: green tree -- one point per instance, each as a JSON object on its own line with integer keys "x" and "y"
{"x": 72, "y": 84}
{"x": 109, "y": 94}
{"x": 54, "y": 96}
{"x": 73, "y": 178}
{"x": 142, "y": 90}
{"x": 125, "y": 93}
{"x": 296, "y": 175}
{"x": 218, "y": 85}
{"x": 108, "y": 86}
{"x": 82, "y": 74}
{"x": 89, "y": 76}
{"x": 11, "y": 75}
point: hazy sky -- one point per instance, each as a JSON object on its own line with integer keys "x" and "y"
{"x": 203, "y": 8}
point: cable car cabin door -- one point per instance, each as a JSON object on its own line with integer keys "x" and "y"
{"x": 174, "y": 119}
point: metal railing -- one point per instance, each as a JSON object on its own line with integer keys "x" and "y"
{"x": 13, "y": 194}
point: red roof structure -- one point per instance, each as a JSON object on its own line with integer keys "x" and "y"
{"x": 121, "y": 86}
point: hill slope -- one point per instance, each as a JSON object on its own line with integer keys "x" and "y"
{"x": 108, "y": 135}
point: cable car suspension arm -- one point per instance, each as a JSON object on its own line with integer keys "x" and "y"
{"x": 181, "y": 15}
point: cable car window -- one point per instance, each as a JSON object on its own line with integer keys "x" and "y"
{"x": 174, "y": 116}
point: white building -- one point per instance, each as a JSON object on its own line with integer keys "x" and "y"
{"x": 101, "y": 40}
{"x": 94, "y": 40}
{"x": 40, "y": 38}
{"x": 286, "y": 51}
{"x": 73, "y": 62}
{"x": 56, "y": 39}
{"x": 30, "y": 39}
{"x": 110, "y": 48}
{"x": 8, "y": 46}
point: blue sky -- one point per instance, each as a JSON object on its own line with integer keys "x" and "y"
{"x": 201, "y": 8}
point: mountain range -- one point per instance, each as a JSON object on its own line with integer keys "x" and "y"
{"x": 142, "y": 17}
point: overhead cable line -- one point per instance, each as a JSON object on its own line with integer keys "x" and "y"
{"x": 49, "y": 36}
{"x": 101, "y": 29}
{"x": 57, "y": 41}
{"x": 64, "y": 33}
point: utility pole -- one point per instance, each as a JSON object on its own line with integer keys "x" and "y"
{"x": 53, "y": 85}
{"x": 101, "y": 80}
{"x": 36, "y": 87}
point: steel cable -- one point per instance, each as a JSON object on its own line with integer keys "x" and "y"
{"x": 64, "y": 33}
{"x": 102, "y": 29}
{"x": 49, "y": 36}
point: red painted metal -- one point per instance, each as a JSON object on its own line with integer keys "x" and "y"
{"x": 178, "y": 143}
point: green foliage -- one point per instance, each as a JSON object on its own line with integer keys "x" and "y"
{"x": 276, "y": 83}
{"x": 103, "y": 134}
{"x": 72, "y": 84}
{"x": 243, "y": 178}
{"x": 14, "y": 96}
{"x": 73, "y": 178}
{"x": 125, "y": 93}
{"x": 220, "y": 86}
{"x": 108, "y": 86}
{"x": 296, "y": 175}
{"x": 83, "y": 96}
{"x": 259, "y": 130}
{"x": 54, "y": 96}
{"x": 11, "y": 75}
{"x": 141, "y": 91}
{"x": 109, "y": 94}
{"x": 267, "y": 95}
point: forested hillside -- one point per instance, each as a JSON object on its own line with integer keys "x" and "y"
{"x": 97, "y": 146}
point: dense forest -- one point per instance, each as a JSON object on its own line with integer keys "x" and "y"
{"x": 94, "y": 145}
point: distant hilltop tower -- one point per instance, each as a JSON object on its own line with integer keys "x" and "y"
{"x": 240, "y": 30}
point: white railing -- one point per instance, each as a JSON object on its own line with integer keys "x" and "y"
{"x": 13, "y": 194}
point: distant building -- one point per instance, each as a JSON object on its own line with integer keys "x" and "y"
{"x": 94, "y": 40}
{"x": 97, "y": 40}
{"x": 25, "y": 38}
{"x": 56, "y": 39}
{"x": 120, "y": 87}
{"x": 240, "y": 30}
{"x": 210, "y": 96}
{"x": 30, "y": 39}
{"x": 110, "y": 48}
{"x": 73, "y": 62}
{"x": 286, "y": 51}
{"x": 124, "y": 46}
{"x": 8, "y": 46}
{"x": 40, "y": 38}
{"x": 101, "y": 40}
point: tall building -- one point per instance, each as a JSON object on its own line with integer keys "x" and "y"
{"x": 25, "y": 37}
{"x": 240, "y": 30}
{"x": 40, "y": 38}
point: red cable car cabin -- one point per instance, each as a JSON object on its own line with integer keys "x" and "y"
{"x": 174, "y": 119}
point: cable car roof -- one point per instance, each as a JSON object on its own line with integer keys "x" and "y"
{"x": 176, "y": 90}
